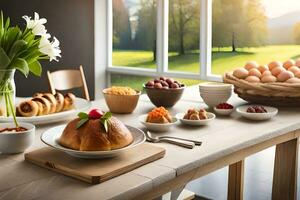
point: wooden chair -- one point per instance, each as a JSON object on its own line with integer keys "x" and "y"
{"x": 68, "y": 79}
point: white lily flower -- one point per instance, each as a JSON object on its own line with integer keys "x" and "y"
{"x": 51, "y": 49}
{"x": 36, "y": 24}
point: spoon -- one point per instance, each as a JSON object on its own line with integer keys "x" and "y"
{"x": 186, "y": 144}
{"x": 198, "y": 143}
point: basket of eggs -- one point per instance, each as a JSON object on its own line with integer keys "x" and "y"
{"x": 276, "y": 84}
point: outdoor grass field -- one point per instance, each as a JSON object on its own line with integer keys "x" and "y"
{"x": 222, "y": 61}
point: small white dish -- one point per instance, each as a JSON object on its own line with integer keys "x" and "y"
{"x": 155, "y": 126}
{"x": 211, "y": 117}
{"x": 215, "y": 86}
{"x": 51, "y": 136}
{"x": 271, "y": 112}
{"x": 16, "y": 142}
{"x": 223, "y": 112}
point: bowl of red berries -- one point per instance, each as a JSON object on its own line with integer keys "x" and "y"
{"x": 164, "y": 91}
{"x": 257, "y": 112}
{"x": 224, "y": 109}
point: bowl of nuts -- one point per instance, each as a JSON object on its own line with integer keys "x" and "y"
{"x": 164, "y": 91}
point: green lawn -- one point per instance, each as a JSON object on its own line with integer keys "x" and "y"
{"x": 222, "y": 61}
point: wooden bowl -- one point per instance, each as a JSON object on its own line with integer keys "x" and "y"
{"x": 122, "y": 104}
{"x": 164, "y": 97}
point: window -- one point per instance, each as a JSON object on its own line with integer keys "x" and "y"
{"x": 134, "y": 33}
{"x": 260, "y": 30}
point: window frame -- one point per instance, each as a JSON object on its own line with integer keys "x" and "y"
{"x": 162, "y": 46}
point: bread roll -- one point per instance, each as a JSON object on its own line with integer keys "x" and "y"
{"x": 59, "y": 101}
{"x": 45, "y": 103}
{"x": 50, "y": 97}
{"x": 28, "y": 108}
{"x": 69, "y": 101}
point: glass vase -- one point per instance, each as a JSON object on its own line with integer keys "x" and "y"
{"x": 7, "y": 93}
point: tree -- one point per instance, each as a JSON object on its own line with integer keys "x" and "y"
{"x": 145, "y": 38}
{"x": 238, "y": 23}
{"x": 297, "y": 33}
{"x": 184, "y": 25}
{"x": 121, "y": 26}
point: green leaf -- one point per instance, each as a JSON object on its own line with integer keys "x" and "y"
{"x": 12, "y": 34}
{"x": 82, "y": 115}
{"x": 4, "y": 59}
{"x": 81, "y": 123}
{"x": 17, "y": 46}
{"x": 21, "y": 65}
{"x": 105, "y": 120}
{"x": 107, "y": 115}
{"x": 36, "y": 68}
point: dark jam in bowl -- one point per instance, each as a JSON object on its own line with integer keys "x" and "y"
{"x": 13, "y": 130}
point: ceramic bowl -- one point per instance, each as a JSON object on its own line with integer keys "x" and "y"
{"x": 211, "y": 117}
{"x": 164, "y": 97}
{"x": 214, "y": 93}
{"x": 121, "y": 103}
{"x": 271, "y": 112}
{"x": 155, "y": 126}
{"x": 223, "y": 111}
{"x": 16, "y": 142}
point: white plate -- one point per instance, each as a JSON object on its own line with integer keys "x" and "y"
{"x": 242, "y": 110}
{"x": 223, "y": 111}
{"x": 51, "y": 136}
{"x": 211, "y": 117}
{"x": 80, "y": 105}
{"x": 155, "y": 126}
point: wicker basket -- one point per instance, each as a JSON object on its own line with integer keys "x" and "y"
{"x": 276, "y": 94}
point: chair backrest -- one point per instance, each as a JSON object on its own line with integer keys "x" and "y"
{"x": 68, "y": 79}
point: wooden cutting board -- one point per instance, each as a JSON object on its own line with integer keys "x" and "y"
{"x": 95, "y": 171}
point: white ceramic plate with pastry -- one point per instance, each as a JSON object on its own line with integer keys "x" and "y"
{"x": 157, "y": 127}
{"x": 201, "y": 122}
{"x": 79, "y": 105}
{"x": 51, "y": 136}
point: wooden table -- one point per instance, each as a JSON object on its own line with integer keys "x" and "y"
{"x": 226, "y": 141}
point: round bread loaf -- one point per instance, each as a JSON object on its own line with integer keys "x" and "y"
{"x": 92, "y": 136}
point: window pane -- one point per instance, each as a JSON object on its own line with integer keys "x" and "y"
{"x": 184, "y": 21}
{"x": 134, "y": 33}
{"x": 259, "y": 30}
{"x": 136, "y": 82}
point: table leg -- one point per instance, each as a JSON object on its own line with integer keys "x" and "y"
{"x": 285, "y": 171}
{"x": 175, "y": 193}
{"x": 236, "y": 181}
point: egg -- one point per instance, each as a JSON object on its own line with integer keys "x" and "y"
{"x": 294, "y": 69}
{"x": 254, "y": 72}
{"x": 268, "y": 79}
{"x": 240, "y": 73}
{"x": 267, "y": 73}
{"x": 274, "y": 64}
{"x": 297, "y": 63}
{"x": 250, "y": 65}
{"x": 263, "y": 68}
{"x": 289, "y": 63}
{"x": 293, "y": 80}
{"x": 297, "y": 74}
{"x": 252, "y": 79}
{"x": 277, "y": 70}
{"x": 285, "y": 75}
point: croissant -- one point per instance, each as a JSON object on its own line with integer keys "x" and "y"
{"x": 59, "y": 101}
{"x": 45, "y": 103}
{"x": 69, "y": 101}
{"x": 28, "y": 109}
{"x": 52, "y": 102}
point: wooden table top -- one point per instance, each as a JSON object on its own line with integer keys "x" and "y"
{"x": 225, "y": 135}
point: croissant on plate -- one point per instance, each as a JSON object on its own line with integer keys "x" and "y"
{"x": 46, "y": 103}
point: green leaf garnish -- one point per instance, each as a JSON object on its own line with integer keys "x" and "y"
{"x": 81, "y": 122}
{"x": 82, "y": 115}
{"x": 83, "y": 119}
{"x": 105, "y": 120}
